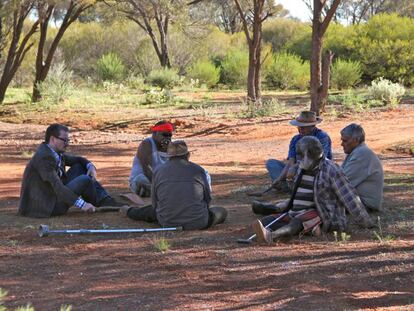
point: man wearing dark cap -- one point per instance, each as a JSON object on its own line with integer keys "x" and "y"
{"x": 150, "y": 155}
{"x": 306, "y": 122}
{"x": 181, "y": 194}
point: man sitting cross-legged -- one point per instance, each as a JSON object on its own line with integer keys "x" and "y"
{"x": 48, "y": 190}
{"x": 180, "y": 194}
{"x": 151, "y": 154}
{"x": 362, "y": 167}
{"x": 321, "y": 195}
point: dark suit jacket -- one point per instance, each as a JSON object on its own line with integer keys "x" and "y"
{"x": 42, "y": 187}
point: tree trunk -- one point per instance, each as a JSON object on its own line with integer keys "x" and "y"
{"x": 316, "y": 75}
{"x": 326, "y": 75}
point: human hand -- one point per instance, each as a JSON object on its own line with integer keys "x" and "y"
{"x": 91, "y": 172}
{"x": 88, "y": 207}
{"x": 144, "y": 190}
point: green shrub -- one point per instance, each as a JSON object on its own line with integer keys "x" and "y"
{"x": 265, "y": 108}
{"x": 57, "y": 85}
{"x": 157, "y": 97}
{"x": 350, "y": 100}
{"x": 164, "y": 78}
{"x": 288, "y": 71}
{"x": 110, "y": 68}
{"x": 205, "y": 72}
{"x": 345, "y": 74}
{"x": 384, "y": 46}
{"x": 386, "y": 91}
{"x": 135, "y": 82}
{"x": 234, "y": 68}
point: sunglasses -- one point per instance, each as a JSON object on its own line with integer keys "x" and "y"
{"x": 166, "y": 134}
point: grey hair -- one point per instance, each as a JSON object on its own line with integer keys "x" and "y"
{"x": 355, "y": 131}
{"x": 310, "y": 145}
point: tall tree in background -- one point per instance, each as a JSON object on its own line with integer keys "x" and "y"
{"x": 14, "y": 14}
{"x": 357, "y": 11}
{"x": 253, "y": 13}
{"x": 323, "y": 12}
{"x": 160, "y": 14}
{"x": 65, "y": 12}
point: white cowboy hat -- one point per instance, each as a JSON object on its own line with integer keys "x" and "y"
{"x": 306, "y": 118}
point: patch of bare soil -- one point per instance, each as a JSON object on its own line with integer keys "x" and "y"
{"x": 208, "y": 269}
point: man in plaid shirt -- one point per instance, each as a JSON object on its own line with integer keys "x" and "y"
{"x": 331, "y": 196}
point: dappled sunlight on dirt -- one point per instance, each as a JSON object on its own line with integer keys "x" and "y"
{"x": 208, "y": 269}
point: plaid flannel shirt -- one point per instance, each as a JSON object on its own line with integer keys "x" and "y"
{"x": 333, "y": 195}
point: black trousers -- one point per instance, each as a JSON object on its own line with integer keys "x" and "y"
{"x": 216, "y": 215}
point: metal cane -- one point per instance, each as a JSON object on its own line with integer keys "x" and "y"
{"x": 250, "y": 239}
{"x": 45, "y": 231}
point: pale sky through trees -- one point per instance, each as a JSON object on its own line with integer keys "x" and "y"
{"x": 296, "y": 8}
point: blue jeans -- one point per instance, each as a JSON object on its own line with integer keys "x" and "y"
{"x": 83, "y": 185}
{"x": 275, "y": 168}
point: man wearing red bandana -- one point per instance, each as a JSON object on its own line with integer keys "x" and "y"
{"x": 150, "y": 155}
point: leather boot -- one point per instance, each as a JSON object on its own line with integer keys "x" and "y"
{"x": 263, "y": 208}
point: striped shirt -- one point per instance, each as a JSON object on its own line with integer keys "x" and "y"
{"x": 304, "y": 197}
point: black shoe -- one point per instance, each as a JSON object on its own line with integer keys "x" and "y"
{"x": 217, "y": 215}
{"x": 109, "y": 201}
{"x": 263, "y": 208}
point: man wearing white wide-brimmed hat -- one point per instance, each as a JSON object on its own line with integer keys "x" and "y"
{"x": 282, "y": 171}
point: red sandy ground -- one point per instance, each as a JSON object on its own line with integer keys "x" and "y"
{"x": 205, "y": 270}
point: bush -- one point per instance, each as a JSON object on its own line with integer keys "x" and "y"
{"x": 57, "y": 85}
{"x": 350, "y": 100}
{"x": 110, "y": 68}
{"x": 384, "y": 46}
{"x": 288, "y": 71}
{"x": 157, "y": 97}
{"x": 234, "y": 68}
{"x": 164, "y": 78}
{"x": 265, "y": 108}
{"x": 386, "y": 91}
{"x": 345, "y": 74}
{"x": 205, "y": 72}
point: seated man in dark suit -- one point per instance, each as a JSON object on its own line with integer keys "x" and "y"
{"x": 48, "y": 190}
{"x": 181, "y": 194}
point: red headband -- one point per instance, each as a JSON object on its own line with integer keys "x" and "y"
{"x": 167, "y": 127}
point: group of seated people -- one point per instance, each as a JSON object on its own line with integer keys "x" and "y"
{"x": 321, "y": 192}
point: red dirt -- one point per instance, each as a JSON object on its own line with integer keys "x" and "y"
{"x": 207, "y": 269}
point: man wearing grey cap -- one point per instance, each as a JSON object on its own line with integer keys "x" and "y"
{"x": 181, "y": 194}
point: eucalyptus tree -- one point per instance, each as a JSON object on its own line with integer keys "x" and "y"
{"x": 155, "y": 17}
{"x": 323, "y": 12}
{"x": 15, "y": 38}
{"x": 64, "y": 13}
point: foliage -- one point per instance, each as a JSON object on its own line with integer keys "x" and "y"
{"x": 57, "y": 85}
{"x": 386, "y": 91}
{"x": 345, "y": 74}
{"x": 288, "y": 71}
{"x": 110, "y": 68}
{"x": 350, "y": 100}
{"x": 342, "y": 237}
{"x": 264, "y": 108}
{"x": 135, "y": 82}
{"x": 380, "y": 234}
{"x": 234, "y": 68}
{"x": 164, "y": 78}
{"x": 280, "y": 31}
{"x": 157, "y": 97}
{"x": 205, "y": 72}
{"x": 161, "y": 244}
{"x": 384, "y": 46}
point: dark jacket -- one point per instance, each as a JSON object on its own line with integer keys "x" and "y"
{"x": 42, "y": 187}
{"x": 181, "y": 195}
